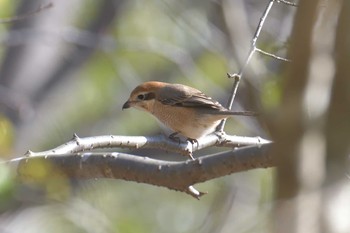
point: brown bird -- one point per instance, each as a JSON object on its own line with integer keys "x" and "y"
{"x": 183, "y": 109}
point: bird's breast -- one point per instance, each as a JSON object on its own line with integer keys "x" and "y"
{"x": 186, "y": 121}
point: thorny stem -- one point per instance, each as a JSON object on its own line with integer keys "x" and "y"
{"x": 237, "y": 77}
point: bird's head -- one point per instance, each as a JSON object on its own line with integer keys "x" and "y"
{"x": 143, "y": 96}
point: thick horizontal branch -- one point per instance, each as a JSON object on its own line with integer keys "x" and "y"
{"x": 71, "y": 161}
{"x": 178, "y": 176}
{"x": 159, "y": 141}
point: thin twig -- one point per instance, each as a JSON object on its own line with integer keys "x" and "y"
{"x": 272, "y": 55}
{"x": 287, "y": 3}
{"x": 237, "y": 77}
{"x": 261, "y": 23}
{"x": 251, "y": 52}
{"x": 30, "y": 14}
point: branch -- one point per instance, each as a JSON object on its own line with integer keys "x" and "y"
{"x": 287, "y": 3}
{"x": 179, "y": 176}
{"x": 159, "y": 141}
{"x": 272, "y": 55}
{"x": 237, "y": 77}
{"x": 173, "y": 175}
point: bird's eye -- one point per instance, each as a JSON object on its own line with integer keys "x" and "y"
{"x": 141, "y": 96}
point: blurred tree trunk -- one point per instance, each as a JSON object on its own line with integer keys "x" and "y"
{"x": 288, "y": 127}
{"x": 311, "y": 127}
{"x": 336, "y": 201}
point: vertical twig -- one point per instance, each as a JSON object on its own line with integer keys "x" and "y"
{"x": 237, "y": 77}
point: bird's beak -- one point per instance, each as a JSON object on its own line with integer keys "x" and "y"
{"x": 126, "y": 105}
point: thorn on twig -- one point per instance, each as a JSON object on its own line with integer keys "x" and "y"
{"x": 76, "y": 139}
{"x": 194, "y": 192}
{"x": 188, "y": 153}
{"x": 29, "y": 153}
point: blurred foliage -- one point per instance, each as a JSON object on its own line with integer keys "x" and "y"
{"x": 7, "y": 8}
{"x": 6, "y": 137}
{"x": 51, "y": 182}
{"x": 7, "y": 190}
{"x": 271, "y": 94}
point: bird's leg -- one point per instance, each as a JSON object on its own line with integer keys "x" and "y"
{"x": 193, "y": 141}
{"x": 177, "y": 139}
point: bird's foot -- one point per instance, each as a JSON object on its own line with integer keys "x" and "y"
{"x": 192, "y": 141}
{"x": 174, "y": 138}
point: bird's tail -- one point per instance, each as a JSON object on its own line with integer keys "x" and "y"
{"x": 242, "y": 113}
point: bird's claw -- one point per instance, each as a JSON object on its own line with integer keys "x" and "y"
{"x": 174, "y": 138}
{"x": 192, "y": 141}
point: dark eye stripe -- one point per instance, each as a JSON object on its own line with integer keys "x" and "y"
{"x": 141, "y": 97}
{"x": 146, "y": 96}
{"x": 149, "y": 96}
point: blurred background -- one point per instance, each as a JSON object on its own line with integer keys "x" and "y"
{"x": 69, "y": 69}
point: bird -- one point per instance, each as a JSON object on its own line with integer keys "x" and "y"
{"x": 184, "y": 109}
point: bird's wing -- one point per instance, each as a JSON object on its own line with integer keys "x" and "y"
{"x": 184, "y": 96}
